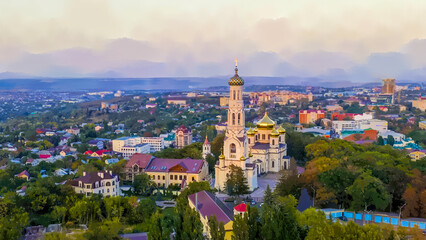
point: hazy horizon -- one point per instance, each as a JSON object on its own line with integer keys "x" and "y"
{"x": 329, "y": 40}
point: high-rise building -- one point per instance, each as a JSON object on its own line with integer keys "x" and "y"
{"x": 310, "y": 116}
{"x": 183, "y": 137}
{"x": 388, "y": 86}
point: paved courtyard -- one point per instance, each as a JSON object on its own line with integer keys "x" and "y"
{"x": 263, "y": 181}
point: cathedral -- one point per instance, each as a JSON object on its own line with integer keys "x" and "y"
{"x": 257, "y": 151}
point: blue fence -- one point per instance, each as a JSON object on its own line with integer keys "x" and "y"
{"x": 375, "y": 218}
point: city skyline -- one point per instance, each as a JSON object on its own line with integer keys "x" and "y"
{"x": 332, "y": 40}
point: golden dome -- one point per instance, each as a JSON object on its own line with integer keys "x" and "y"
{"x": 242, "y": 158}
{"x": 265, "y": 122}
{"x": 255, "y": 129}
{"x": 221, "y": 154}
{"x": 281, "y": 130}
{"x": 275, "y": 133}
{"x": 250, "y": 132}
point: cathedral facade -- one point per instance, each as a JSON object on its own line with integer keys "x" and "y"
{"x": 256, "y": 151}
{"x": 268, "y": 147}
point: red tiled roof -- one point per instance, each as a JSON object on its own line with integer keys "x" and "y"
{"x": 140, "y": 159}
{"x": 88, "y": 152}
{"x": 183, "y": 129}
{"x": 44, "y": 156}
{"x": 241, "y": 207}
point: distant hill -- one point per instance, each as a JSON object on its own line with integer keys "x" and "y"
{"x": 14, "y": 81}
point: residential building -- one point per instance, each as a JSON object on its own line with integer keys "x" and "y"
{"x": 156, "y": 143}
{"x": 224, "y": 101}
{"x": 343, "y": 116}
{"x": 280, "y": 97}
{"x": 24, "y": 174}
{"x": 118, "y": 143}
{"x": 388, "y": 86}
{"x": 398, "y": 137}
{"x": 236, "y": 146}
{"x": 310, "y": 116}
{"x": 183, "y": 137}
{"x": 422, "y": 125}
{"x": 165, "y": 172}
{"x": 176, "y": 101}
{"x": 136, "y": 165}
{"x": 361, "y": 122}
{"x": 420, "y": 103}
{"x": 103, "y": 182}
{"x": 207, "y": 205}
{"x": 417, "y": 154}
{"x": 73, "y": 131}
{"x": 168, "y": 139}
{"x": 333, "y": 108}
{"x": 128, "y": 151}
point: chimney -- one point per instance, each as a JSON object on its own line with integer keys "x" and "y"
{"x": 196, "y": 202}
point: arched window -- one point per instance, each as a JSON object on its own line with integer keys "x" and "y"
{"x": 239, "y": 118}
{"x": 233, "y": 118}
{"x": 238, "y": 96}
{"x": 263, "y": 136}
{"x": 273, "y": 164}
{"x": 273, "y": 141}
{"x": 233, "y": 148}
{"x": 285, "y": 165}
{"x": 234, "y": 94}
{"x": 249, "y": 141}
{"x": 108, "y": 184}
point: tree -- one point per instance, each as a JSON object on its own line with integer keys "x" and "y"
{"x": 217, "y": 230}
{"x": 191, "y": 226}
{"x": 240, "y": 227}
{"x": 253, "y": 222}
{"x": 106, "y": 230}
{"x": 337, "y": 181}
{"x": 368, "y": 190}
{"x": 236, "y": 184}
{"x": 380, "y": 141}
{"x": 268, "y": 198}
{"x": 12, "y": 225}
{"x": 159, "y": 228}
{"x": 390, "y": 140}
{"x": 289, "y": 183}
{"x": 142, "y": 184}
{"x": 279, "y": 220}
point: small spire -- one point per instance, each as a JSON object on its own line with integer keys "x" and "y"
{"x": 236, "y": 66}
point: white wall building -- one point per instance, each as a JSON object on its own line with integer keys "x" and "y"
{"x": 128, "y": 151}
{"x": 103, "y": 182}
{"x": 156, "y": 143}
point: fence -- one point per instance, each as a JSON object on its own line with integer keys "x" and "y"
{"x": 373, "y": 217}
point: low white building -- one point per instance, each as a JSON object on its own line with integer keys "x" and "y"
{"x": 128, "y": 151}
{"x": 397, "y": 136}
{"x": 364, "y": 121}
{"x": 156, "y": 143}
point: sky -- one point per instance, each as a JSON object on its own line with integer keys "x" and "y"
{"x": 351, "y": 40}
